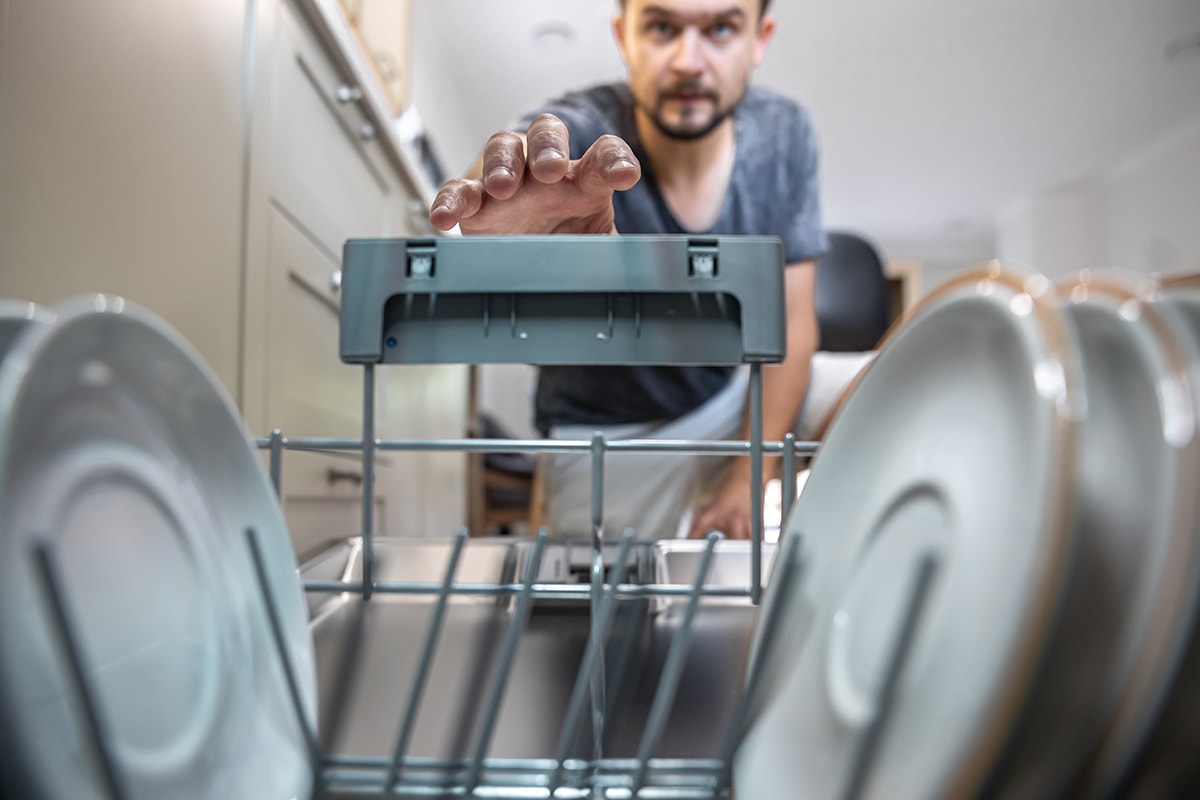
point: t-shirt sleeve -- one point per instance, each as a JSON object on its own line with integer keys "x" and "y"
{"x": 805, "y": 239}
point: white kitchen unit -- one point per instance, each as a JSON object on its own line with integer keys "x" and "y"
{"x": 207, "y": 160}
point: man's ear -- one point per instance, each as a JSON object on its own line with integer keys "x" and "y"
{"x": 618, "y": 31}
{"x": 766, "y": 29}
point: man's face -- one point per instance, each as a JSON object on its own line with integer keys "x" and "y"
{"x": 690, "y": 61}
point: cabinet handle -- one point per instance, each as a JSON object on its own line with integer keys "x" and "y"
{"x": 335, "y": 281}
{"x": 348, "y": 94}
{"x": 334, "y": 475}
{"x": 366, "y": 132}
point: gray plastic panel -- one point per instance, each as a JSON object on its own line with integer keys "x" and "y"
{"x": 563, "y": 300}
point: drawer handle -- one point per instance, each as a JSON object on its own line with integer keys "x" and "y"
{"x": 348, "y": 94}
{"x": 334, "y": 476}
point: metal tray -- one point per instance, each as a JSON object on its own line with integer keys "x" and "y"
{"x": 368, "y": 653}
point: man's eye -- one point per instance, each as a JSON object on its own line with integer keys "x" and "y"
{"x": 660, "y": 28}
{"x": 721, "y": 30}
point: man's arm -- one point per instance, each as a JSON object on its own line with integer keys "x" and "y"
{"x": 784, "y": 387}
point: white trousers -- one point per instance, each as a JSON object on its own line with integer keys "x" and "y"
{"x": 653, "y": 493}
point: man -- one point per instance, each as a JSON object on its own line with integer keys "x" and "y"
{"x": 687, "y": 146}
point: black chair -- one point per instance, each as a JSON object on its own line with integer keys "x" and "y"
{"x": 852, "y": 295}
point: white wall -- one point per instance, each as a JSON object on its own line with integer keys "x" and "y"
{"x": 441, "y": 109}
{"x": 1142, "y": 215}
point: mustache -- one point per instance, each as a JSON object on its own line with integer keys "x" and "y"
{"x": 690, "y": 89}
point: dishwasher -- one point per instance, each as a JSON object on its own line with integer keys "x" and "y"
{"x": 490, "y": 667}
{"x": 537, "y": 667}
{"x": 158, "y": 639}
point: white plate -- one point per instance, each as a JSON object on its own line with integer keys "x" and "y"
{"x": 959, "y": 442}
{"x": 1138, "y": 455}
{"x": 16, "y": 316}
{"x": 1149, "y": 747}
{"x": 118, "y": 446}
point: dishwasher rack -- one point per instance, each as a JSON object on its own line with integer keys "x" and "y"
{"x": 512, "y": 299}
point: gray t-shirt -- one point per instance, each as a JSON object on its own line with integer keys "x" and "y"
{"x": 773, "y": 191}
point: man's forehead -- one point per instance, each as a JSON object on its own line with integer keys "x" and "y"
{"x": 700, "y": 9}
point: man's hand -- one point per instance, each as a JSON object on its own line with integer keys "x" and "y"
{"x": 729, "y": 511}
{"x": 784, "y": 387}
{"x": 528, "y": 184}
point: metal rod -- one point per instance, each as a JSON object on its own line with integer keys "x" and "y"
{"x": 524, "y": 603}
{"x": 277, "y": 443}
{"x": 597, "y": 449}
{"x": 93, "y": 719}
{"x": 597, "y": 593}
{"x": 592, "y": 657}
{"x": 787, "y": 479}
{"x": 756, "y": 487}
{"x": 868, "y": 744}
{"x": 557, "y": 591}
{"x": 683, "y": 766}
{"x": 672, "y": 672}
{"x": 677, "y": 446}
{"x": 784, "y": 580}
{"x": 598, "y": 677}
{"x": 426, "y": 659}
{"x": 368, "y": 479}
{"x": 289, "y": 671}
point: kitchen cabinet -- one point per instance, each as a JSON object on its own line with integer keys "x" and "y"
{"x": 319, "y": 175}
{"x": 207, "y": 159}
{"x": 121, "y": 147}
{"x": 384, "y": 28}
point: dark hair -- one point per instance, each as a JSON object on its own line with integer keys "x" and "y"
{"x": 763, "y": 5}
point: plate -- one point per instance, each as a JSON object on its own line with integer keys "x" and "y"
{"x": 120, "y": 450}
{"x": 1137, "y": 515}
{"x": 15, "y": 316}
{"x": 1149, "y": 750}
{"x": 959, "y": 443}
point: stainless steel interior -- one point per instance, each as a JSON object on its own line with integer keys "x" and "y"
{"x": 368, "y": 652}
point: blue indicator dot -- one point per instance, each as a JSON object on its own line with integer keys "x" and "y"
{"x": 391, "y": 341}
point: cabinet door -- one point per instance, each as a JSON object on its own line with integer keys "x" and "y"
{"x": 325, "y": 180}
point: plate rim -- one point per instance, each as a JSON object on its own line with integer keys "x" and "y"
{"x": 1064, "y": 408}
{"x": 22, "y": 361}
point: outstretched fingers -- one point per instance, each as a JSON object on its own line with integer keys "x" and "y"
{"x": 608, "y": 165}
{"x": 459, "y": 199}
{"x": 547, "y": 148}
{"x": 503, "y": 164}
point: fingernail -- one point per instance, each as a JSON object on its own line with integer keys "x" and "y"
{"x": 549, "y": 155}
{"x": 623, "y": 163}
{"x": 499, "y": 172}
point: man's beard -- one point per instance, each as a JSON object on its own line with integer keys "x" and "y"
{"x": 679, "y": 132}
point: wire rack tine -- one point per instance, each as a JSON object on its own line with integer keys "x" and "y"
{"x": 591, "y": 658}
{"x": 868, "y": 745}
{"x": 756, "y": 482}
{"x": 97, "y": 727}
{"x": 788, "y": 479}
{"x": 427, "y": 649}
{"x": 289, "y": 672}
{"x": 368, "y": 481}
{"x": 672, "y": 670}
{"x": 276, "y": 444}
{"x": 524, "y": 603}
{"x": 785, "y": 578}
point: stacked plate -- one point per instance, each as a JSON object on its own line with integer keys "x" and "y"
{"x": 127, "y": 487}
{"x": 1000, "y": 555}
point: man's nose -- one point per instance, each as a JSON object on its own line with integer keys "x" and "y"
{"x": 687, "y": 56}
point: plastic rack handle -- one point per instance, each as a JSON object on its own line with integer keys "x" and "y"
{"x": 564, "y": 299}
